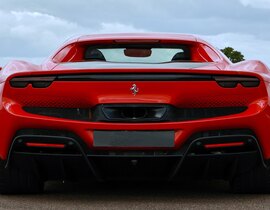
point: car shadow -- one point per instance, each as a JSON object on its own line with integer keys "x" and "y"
{"x": 187, "y": 194}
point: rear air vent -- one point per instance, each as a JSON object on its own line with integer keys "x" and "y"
{"x": 134, "y": 113}
{"x": 66, "y": 113}
{"x": 131, "y": 113}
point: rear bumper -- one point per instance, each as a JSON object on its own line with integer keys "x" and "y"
{"x": 255, "y": 118}
{"x": 76, "y": 161}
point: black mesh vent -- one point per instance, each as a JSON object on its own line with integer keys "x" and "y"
{"x": 66, "y": 113}
{"x": 134, "y": 113}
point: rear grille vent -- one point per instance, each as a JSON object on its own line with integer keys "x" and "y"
{"x": 134, "y": 113}
{"x": 66, "y": 113}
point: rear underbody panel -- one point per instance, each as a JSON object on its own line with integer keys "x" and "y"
{"x": 204, "y": 155}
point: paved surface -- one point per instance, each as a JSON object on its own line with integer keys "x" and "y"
{"x": 195, "y": 195}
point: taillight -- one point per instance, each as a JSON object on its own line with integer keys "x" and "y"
{"x": 48, "y": 145}
{"x": 231, "y": 82}
{"x": 37, "y": 82}
{"x": 222, "y": 145}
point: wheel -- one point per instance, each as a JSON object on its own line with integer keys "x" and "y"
{"x": 15, "y": 180}
{"x": 257, "y": 180}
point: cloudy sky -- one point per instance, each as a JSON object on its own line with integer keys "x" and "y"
{"x": 33, "y": 29}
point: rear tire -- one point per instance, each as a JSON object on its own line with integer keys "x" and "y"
{"x": 257, "y": 180}
{"x": 15, "y": 180}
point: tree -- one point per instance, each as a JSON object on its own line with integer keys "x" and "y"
{"x": 233, "y": 55}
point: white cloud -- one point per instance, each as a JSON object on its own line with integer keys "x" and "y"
{"x": 118, "y": 27}
{"x": 34, "y": 34}
{"x": 262, "y": 4}
{"x": 32, "y": 30}
{"x": 250, "y": 46}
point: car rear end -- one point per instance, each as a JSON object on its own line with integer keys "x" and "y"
{"x": 83, "y": 124}
{"x": 134, "y": 109}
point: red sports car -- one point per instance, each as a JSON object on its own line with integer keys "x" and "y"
{"x": 135, "y": 106}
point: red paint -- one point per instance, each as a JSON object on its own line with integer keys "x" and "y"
{"x": 233, "y": 144}
{"x": 180, "y": 94}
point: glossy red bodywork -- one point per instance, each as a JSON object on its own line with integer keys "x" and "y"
{"x": 184, "y": 94}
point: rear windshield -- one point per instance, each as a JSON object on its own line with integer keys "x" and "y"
{"x": 137, "y": 53}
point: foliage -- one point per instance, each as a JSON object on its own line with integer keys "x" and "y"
{"x": 234, "y": 55}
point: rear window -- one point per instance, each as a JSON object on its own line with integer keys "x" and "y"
{"x": 137, "y": 53}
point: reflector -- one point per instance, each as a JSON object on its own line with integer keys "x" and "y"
{"x": 32, "y": 144}
{"x": 232, "y": 144}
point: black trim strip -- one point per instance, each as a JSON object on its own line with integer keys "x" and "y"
{"x": 135, "y": 77}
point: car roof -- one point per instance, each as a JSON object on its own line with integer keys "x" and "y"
{"x": 138, "y": 36}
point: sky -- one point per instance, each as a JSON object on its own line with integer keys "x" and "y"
{"x": 33, "y": 29}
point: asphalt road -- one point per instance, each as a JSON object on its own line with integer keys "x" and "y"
{"x": 189, "y": 195}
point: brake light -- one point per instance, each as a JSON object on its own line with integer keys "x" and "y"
{"x": 232, "y": 82}
{"x": 37, "y": 82}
